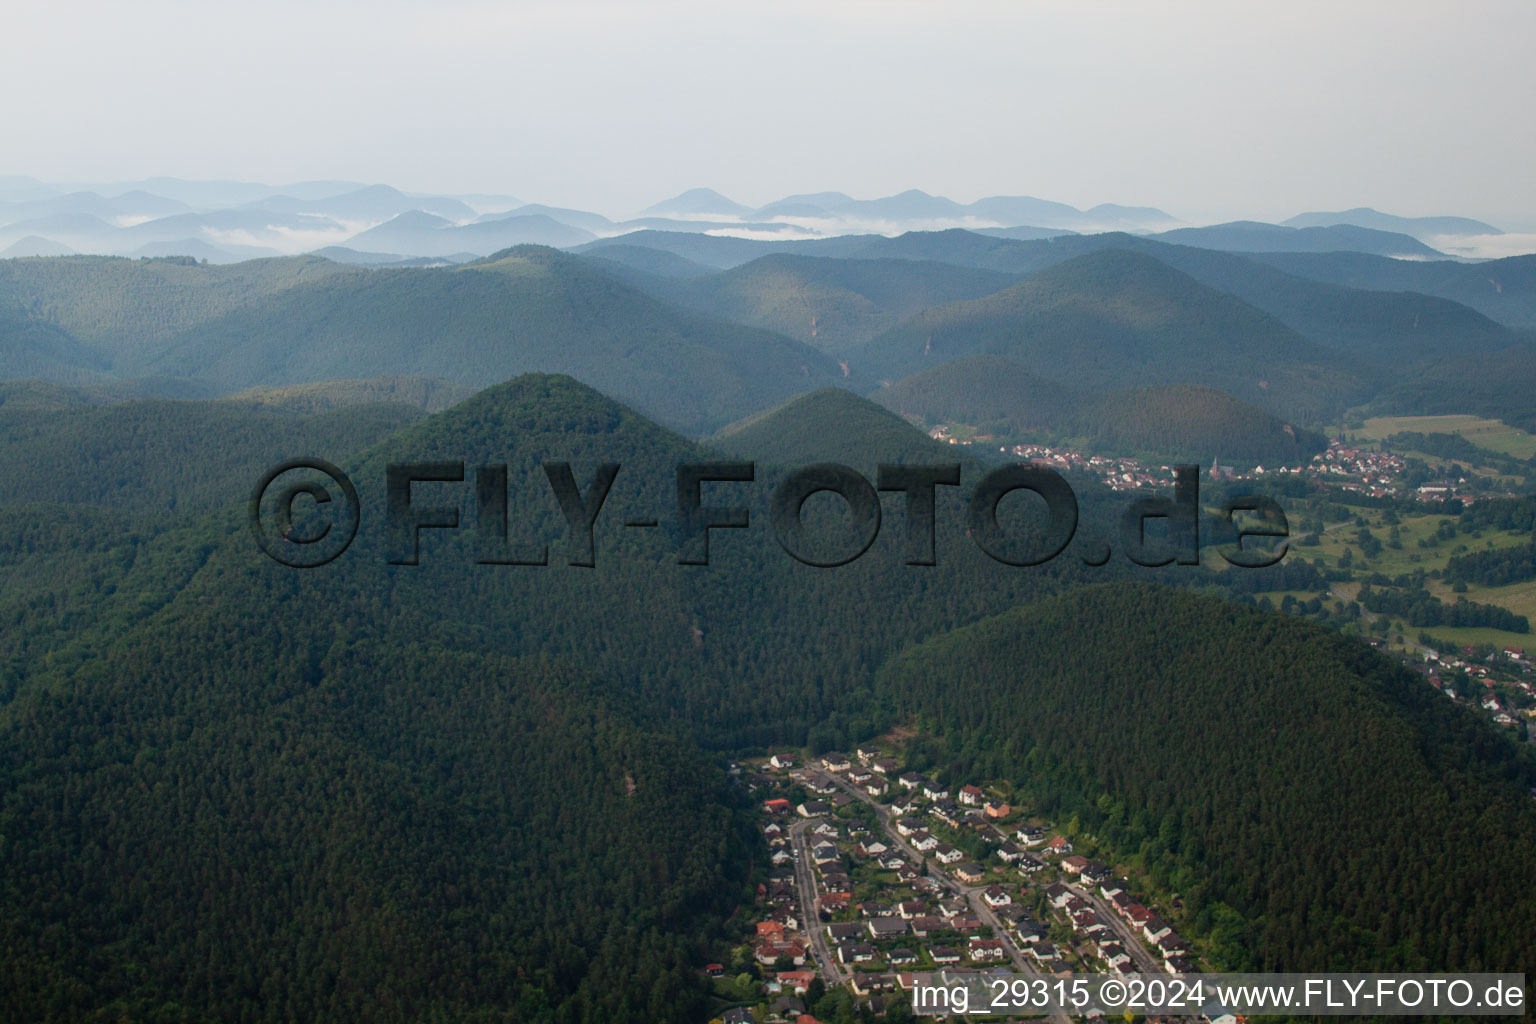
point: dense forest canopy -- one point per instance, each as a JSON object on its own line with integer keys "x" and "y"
{"x": 452, "y": 787}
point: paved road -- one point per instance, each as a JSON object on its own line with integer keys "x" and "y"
{"x": 1129, "y": 937}
{"x": 805, "y": 886}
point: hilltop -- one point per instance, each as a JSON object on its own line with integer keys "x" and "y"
{"x": 830, "y": 425}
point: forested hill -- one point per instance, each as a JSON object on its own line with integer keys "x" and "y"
{"x": 831, "y": 425}
{"x": 120, "y": 306}
{"x": 983, "y": 390}
{"x": 472, "y": 791}
{"x": 1345, "y": 811}
{"x": 1117, "y": 319}
{"x": 1183, "y": 422}
{"x": 165, "y": 458}
{"x": 828, "y": 303}
{"x": 528, "y": 309}
{"x": 272, "y": 832}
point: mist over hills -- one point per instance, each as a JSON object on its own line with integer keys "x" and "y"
{"x": 1251, "y": 236}
{"x": 224, "y": 221}
{"x": 1503, "y": 289}
{"x": 1419, "y": 227}
{"x": 1299, "y": 335}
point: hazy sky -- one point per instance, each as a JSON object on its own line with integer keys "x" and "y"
{"x": 1208, "y": 110}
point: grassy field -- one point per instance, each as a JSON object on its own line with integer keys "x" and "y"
{"x": 1491, "y": 434}
{"x": 1410, "y": 556}
{"x": 1519, "y": 598}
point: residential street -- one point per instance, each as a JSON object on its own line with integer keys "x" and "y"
{"x": 972, "y": 894}
{"x": 805, "y": 887}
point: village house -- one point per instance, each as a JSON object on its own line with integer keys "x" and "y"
{"x": 1086, "y": 922}
{"x": 982, "y": 950}
{"x": 856, "y": 953}
{"x": 868, "y": 984}
{"x": 1029, "y": 835}
{"x": 1114, "y": 956}
{"x": 971, "y": 796}
{"x": 1012, "y": 914}
{"x": 832, "y": 902}
{"x": 948, "y": 813}
{"x": 927, "y": 925}
{"x": 1028, "y": 864}
{"x": 798, "y": 982}
{"x": 1030, "y": 932}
